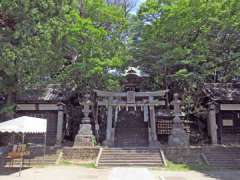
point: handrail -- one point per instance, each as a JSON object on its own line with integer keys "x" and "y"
{"x": 203, "y": 156}
{"x": 163, "y": 158}
{"x": 99, "y": 156}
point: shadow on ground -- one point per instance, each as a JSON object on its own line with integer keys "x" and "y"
{"x": 10, "y": 170}
{"x": 207, "y": 171}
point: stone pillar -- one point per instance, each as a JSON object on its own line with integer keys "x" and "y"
{"x": 212, "y": 123}
{"x": 178, "y": 135}
{"x": 108, "y": 141}
{"x": 85, "y": 134}
{"x": 154, "y": 141}
{"x": 60, "y": 119}
{"x": 115, "y": 123}
{"x": 146, "y": 115}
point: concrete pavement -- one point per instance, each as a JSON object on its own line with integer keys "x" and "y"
{"x": 81, "y": 173}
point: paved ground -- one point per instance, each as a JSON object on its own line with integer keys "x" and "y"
{"x": 80, "y": 173}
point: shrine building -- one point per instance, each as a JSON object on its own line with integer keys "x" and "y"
{"x": 133, "y": 117}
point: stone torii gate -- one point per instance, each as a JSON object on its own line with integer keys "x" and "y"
{"x": 117, "y": 100}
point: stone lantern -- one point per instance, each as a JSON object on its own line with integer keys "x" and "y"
{"x": 85, "y": 133}
{"x": 178, "y": 136}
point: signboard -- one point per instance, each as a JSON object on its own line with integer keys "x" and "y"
{"x": 131, "y": 97}
{"x": 227, "y": 122}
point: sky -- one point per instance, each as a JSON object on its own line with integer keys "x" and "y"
{"x": 138, "y": 4}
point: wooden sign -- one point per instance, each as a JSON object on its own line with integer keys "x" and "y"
{"x": 131, "y": 97}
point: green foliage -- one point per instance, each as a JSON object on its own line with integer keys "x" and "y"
{"x": 36, "y": 36}
{"x": 171, "y": 166}
{"x": 82, "y": 164}
{"x": 97, "y": 38}
{"x": 29, "y": 49}
{"x": 186, "y": 43}
{"x": 6, "y": 109}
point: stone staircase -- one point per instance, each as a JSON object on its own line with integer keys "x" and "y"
{"x": 35, "y": 158}
{"x": 132, "y": 137}
{"x": 223, "y": 157}
{"x": 131, "y": 131}
{"x": 149, "y": 157}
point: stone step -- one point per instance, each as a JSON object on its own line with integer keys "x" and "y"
{"x": 224, "y": 157}
{"x": 31, "y": 163}
{"x": 142, "y": 164}
{"x": 222, "y": 160}
{"x": 223, "y": 153}
{"x": 133, "y": 138}
{"x": 131, "y": 144}
{"x": 32, "y": 160}
{"x": 225, "y": 166}
{"x": 140, "y": 151}
{"x": 130, "y": 157}
{"x": 135, "y": 141}
{"x": 131, "y": 154}
{"x": 132, "y": 151}
{"x": 130, "y": 161}
{"x": 127, "y": 152}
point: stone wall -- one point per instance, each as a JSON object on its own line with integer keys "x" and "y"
{"x": 191, "y": 154}
{"x": 81, "y": 153}
{"x": 188, "y": 155}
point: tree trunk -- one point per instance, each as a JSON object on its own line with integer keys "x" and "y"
{"x": 81, "y": 9}
{"x": 10, "y": 102}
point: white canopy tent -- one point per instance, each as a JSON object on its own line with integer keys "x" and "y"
{"x": 25, "y": 125}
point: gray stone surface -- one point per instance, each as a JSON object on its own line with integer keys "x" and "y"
{"x": 212, "y": 123}
{"x": 178, "y": 136}
{"x": 85, "y": 134}
{"x": 125, "y": 173}
{"x": 80, "y": 173}
{"x": 59, "y": 136}
{"x": 83, "y": 140}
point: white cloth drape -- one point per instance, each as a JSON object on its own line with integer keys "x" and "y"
{"x": 24, "y": 124}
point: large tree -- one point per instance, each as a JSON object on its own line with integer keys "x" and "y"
{"x": 70, "y": 42}
{"x": 127, "y": 5}
{"x": 187, "y": 43}
{"x": 30, "y": 43}
{"x": 95, "y": 41}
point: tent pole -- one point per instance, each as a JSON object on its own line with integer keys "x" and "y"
{"x": 21, "y": 165}
{"x": 45, "y": 144}
{"x": 13, "y": 138}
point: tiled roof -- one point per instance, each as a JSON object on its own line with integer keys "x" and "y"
{"x": 135, "y": 71}
{"x": 50, "y": 93}
{"x": 222, "y": 91}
